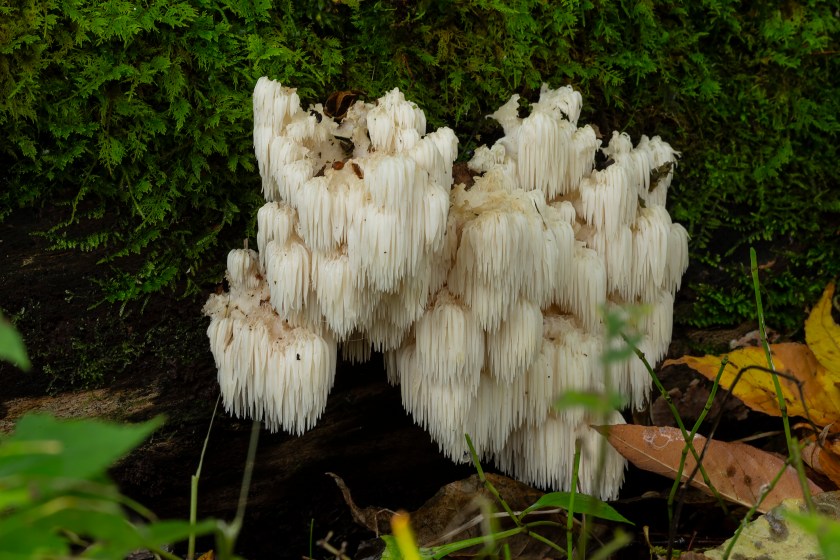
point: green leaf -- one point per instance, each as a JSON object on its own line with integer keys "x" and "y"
{"x": 99, "y": 521}
{"x": 12, "y": 348}
{"x": 595, "y": 402}
{"x": 392, "y": 551}
{"x": 49, "y": 447}
{"x": 88, "y": 447}
{"x": 584, "y": 503}
{"x": 826, "y": 529}
{"x": 153, "y": 536}
{"x": 14, "y": 497}
{"x": 26, "y": 542}
{"x": 52, "y": 475}
{"x": 106, "y": 526}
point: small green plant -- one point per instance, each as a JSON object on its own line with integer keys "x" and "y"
{"x": 194, "y": 480}
{"x": 57, "y": 501}
{"x": 101, "y": 347}
{"x": 12, "y": 348}
{"x": 793, "y": 445}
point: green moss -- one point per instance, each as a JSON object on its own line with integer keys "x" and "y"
{"x": 138, "y": 121}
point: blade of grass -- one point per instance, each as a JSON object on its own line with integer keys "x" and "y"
{"x": 489, "y": 485}
{"x": 674, "y": 516}
{"x": 194, "y": 485}
{"x": 230, "y": 531}
{"x": 401, "y": 528}
{"x": 570, "y": 514}
{"x": 311, "y": 536}
{"x": 792, "y": 443}
{"x": 246, "y": 477}
{"x": 521, "y": 527}
{"x": 620, "y": 540}
{"x": 447, "y": 549}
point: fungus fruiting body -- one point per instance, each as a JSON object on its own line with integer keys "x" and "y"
{"x": 487, "y": 301}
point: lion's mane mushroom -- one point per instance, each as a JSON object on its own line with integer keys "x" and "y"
{"x": 544, "y": 241}
{"x": 268, "y": 369}
{"x": 486, "y": 300}
{"x": 351, "y": 244}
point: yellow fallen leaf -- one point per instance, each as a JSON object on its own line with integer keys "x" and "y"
{"x": 755, "y": 386}
{"x": 738, "y": 471}
{"x": 774, "y": 536}
{"x": 822, "y": 333}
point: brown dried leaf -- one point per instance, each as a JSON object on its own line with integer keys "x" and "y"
{"x": 738, "y": 471}
{"x": 823, "y": 460}
{"x": 339, "y": 102}
{"x": 461, "y": 173}
{"x": 459, "y": 511}
{"x": 463, "y": 509}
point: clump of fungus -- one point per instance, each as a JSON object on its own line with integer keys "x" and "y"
{"x": 485, "y": 300}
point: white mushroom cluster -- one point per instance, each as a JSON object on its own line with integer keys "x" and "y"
{"x": 268, "y": 368}
{"x": 487, "y": 300}
{"x": 349, "y": 243}
{"x": 543, "y": 242}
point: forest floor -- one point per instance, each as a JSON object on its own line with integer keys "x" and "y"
{"x": 91, "y": 359}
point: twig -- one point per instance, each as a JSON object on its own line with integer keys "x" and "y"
{"x": 481, "y": 517}
{"x": 338, "y": 553}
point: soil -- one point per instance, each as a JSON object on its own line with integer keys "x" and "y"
{"x": 93, "y": 359}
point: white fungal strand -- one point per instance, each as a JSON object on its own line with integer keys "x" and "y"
{"x": 275, "y": 222}
{"x": 541, "y": 454}
{"x": 268, "y": 369}
{"x": 287, "y": 271}
{"x": 243, "y": 267}
{"x": 515, "y": 343}
{"x": 606, "y": 202}
{"x": 449, "y": 343}
{"x": 569, "y": 360}
{"x": 677, "y": 260}
{"x": 344, "y": 306}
